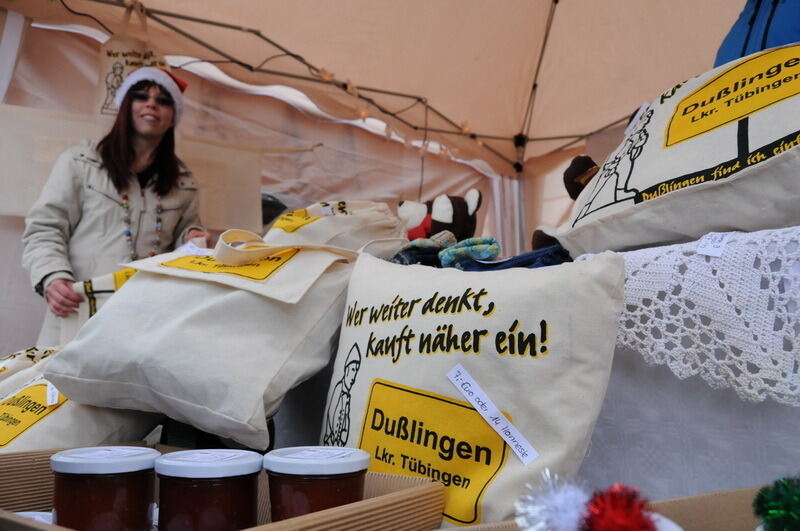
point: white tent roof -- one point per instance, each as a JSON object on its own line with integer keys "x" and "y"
{"x": 473, "y": 62}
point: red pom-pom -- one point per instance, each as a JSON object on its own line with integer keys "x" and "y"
{"x": 618, "y": 508}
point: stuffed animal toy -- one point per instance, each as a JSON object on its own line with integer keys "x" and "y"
{"x": 445, "y": 212}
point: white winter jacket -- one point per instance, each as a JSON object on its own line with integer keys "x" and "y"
{"x": 76, "y": 230}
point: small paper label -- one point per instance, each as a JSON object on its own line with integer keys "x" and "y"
{"x": 713, "y": 243}
{"x": 192, "y": 249}
{"x": 327, "y": 210}
{"x": 206, "y": 457}
{"x": 52, "y": 394}
{"x": 468, "y": 387}
{"x": 321, "y": 453}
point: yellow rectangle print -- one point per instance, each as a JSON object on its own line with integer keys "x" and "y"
{"x": 292, "y": 221}
{"x": 736, "y": 93}
{"x": 23, "y": 409}
{"x": 414, "y": 432}
{"x": 258, "y": 270}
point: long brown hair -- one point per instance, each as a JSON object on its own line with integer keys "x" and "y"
{"x": 117, "y": 153}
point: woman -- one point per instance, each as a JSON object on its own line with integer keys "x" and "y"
{"x": 126, "y": 198}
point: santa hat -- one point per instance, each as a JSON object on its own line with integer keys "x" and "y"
{"x": 172, "y": 84}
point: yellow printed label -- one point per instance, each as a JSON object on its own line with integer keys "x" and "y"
{"x": 122, "y": 276}
{"x": 292, "y": 221}
{"x": 414, "y": 432}
{"x": 740, "y": 91}
{"x": 24, "y": 409}
{"x": 258, "y": 270}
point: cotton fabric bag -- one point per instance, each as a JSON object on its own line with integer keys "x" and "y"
{"x": 119, "y": 56}
{"x": 538, "y": 342}
{"x": 347, "y": 224}
{"x": 29, "y": 421}
{"x": 95, "y": 292}
{"x": 213, "y": 345}
{"x": 22, "y": 359}
{"x": 719, "y": 152}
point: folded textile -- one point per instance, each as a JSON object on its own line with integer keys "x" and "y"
{"x": 469, "y": 249}
{"x": 549, "y": 256}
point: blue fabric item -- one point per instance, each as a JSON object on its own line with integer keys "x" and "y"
{"x": 470, "y": 249}
{"x": 762, "y": 24}
{"x": 548, "y": 256}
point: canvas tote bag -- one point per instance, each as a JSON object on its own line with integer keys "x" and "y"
{"x": 119, "y": 56}
{"x": 22, "y": 359}
{"x": 34, "y": 415}
{"x": 215, "y": 343}
{"x": 95, "y": 292}
{"x": 424, "y": 353}
{"x": 348, "y": 224}
{"x": 719, "y": 152}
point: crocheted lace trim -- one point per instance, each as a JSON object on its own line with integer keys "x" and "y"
{"x": 731, "y": 319}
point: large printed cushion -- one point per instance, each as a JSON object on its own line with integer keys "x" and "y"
{"x": 479, "y": 380}
{"x": 716, "y": 153}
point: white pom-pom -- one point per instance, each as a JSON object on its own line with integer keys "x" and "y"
{"x": 553, "y": 505}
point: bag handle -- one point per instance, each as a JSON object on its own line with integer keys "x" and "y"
{"x": 239, "y": 247}
{"x": 363, "y": 248}
{"x": 130, "y": 6}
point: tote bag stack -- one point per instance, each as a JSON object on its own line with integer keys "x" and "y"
{"x": 478, "y": 380}
{"x": 347, "y": 224}
{"x": 720, "y": 152}
{"x": 34, "y": 415}
{"x": 212, "y": 341}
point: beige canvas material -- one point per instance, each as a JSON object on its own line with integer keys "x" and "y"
{"x": 539, "y": 343}
{"x": 22, "y": 359}
{"x": 208, "y": 344}
{"x": 119, "y": 56}
{"x": 455, "y": 71}
{"x": 32, "y": 424}
{"x": 348, "y": 224}
{"x": 716, "y": 153}
{"x": 95, "y": 293}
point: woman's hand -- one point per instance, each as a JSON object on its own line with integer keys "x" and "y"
{"x": 197, "y": 233}
{"x": 60, "y": 297}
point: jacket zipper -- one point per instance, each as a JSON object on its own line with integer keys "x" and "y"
{"x": 772, "y": 9}
{"x": 750, "y": 23}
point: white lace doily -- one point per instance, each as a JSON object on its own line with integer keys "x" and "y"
{"x": 731, "y": 319}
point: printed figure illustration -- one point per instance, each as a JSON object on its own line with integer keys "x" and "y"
{"x": 337, "y": 419}
{"x": 113, "y": 81}
{"x": 619, "y": 168}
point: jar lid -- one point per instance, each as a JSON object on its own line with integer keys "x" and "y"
{"x": 104, "y": 460}
{"x": 316, "y": 460}
{"x": 214, "y": 463}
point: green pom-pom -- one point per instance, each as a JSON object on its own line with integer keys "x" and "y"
{"x": 778, "y": 506}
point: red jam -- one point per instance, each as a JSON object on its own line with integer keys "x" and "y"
{"x": 208, "y": 490}
{"x": 104, "y": 488}
{"x": 312, "y": 478}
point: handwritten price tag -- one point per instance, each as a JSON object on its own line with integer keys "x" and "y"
{"x": 713, "y": 243}
{"x": 52, "y": 394}
{"x": 468, "y": 387}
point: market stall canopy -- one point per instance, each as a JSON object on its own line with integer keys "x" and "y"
{"x": 468, "y": 74}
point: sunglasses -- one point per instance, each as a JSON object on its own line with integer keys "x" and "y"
{"x": 164, "y": 101}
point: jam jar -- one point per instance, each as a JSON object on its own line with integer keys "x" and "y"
{"x": 305, "y": 479}
{"x": 105, "y": 488}
{"x": 205, "y": 490}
